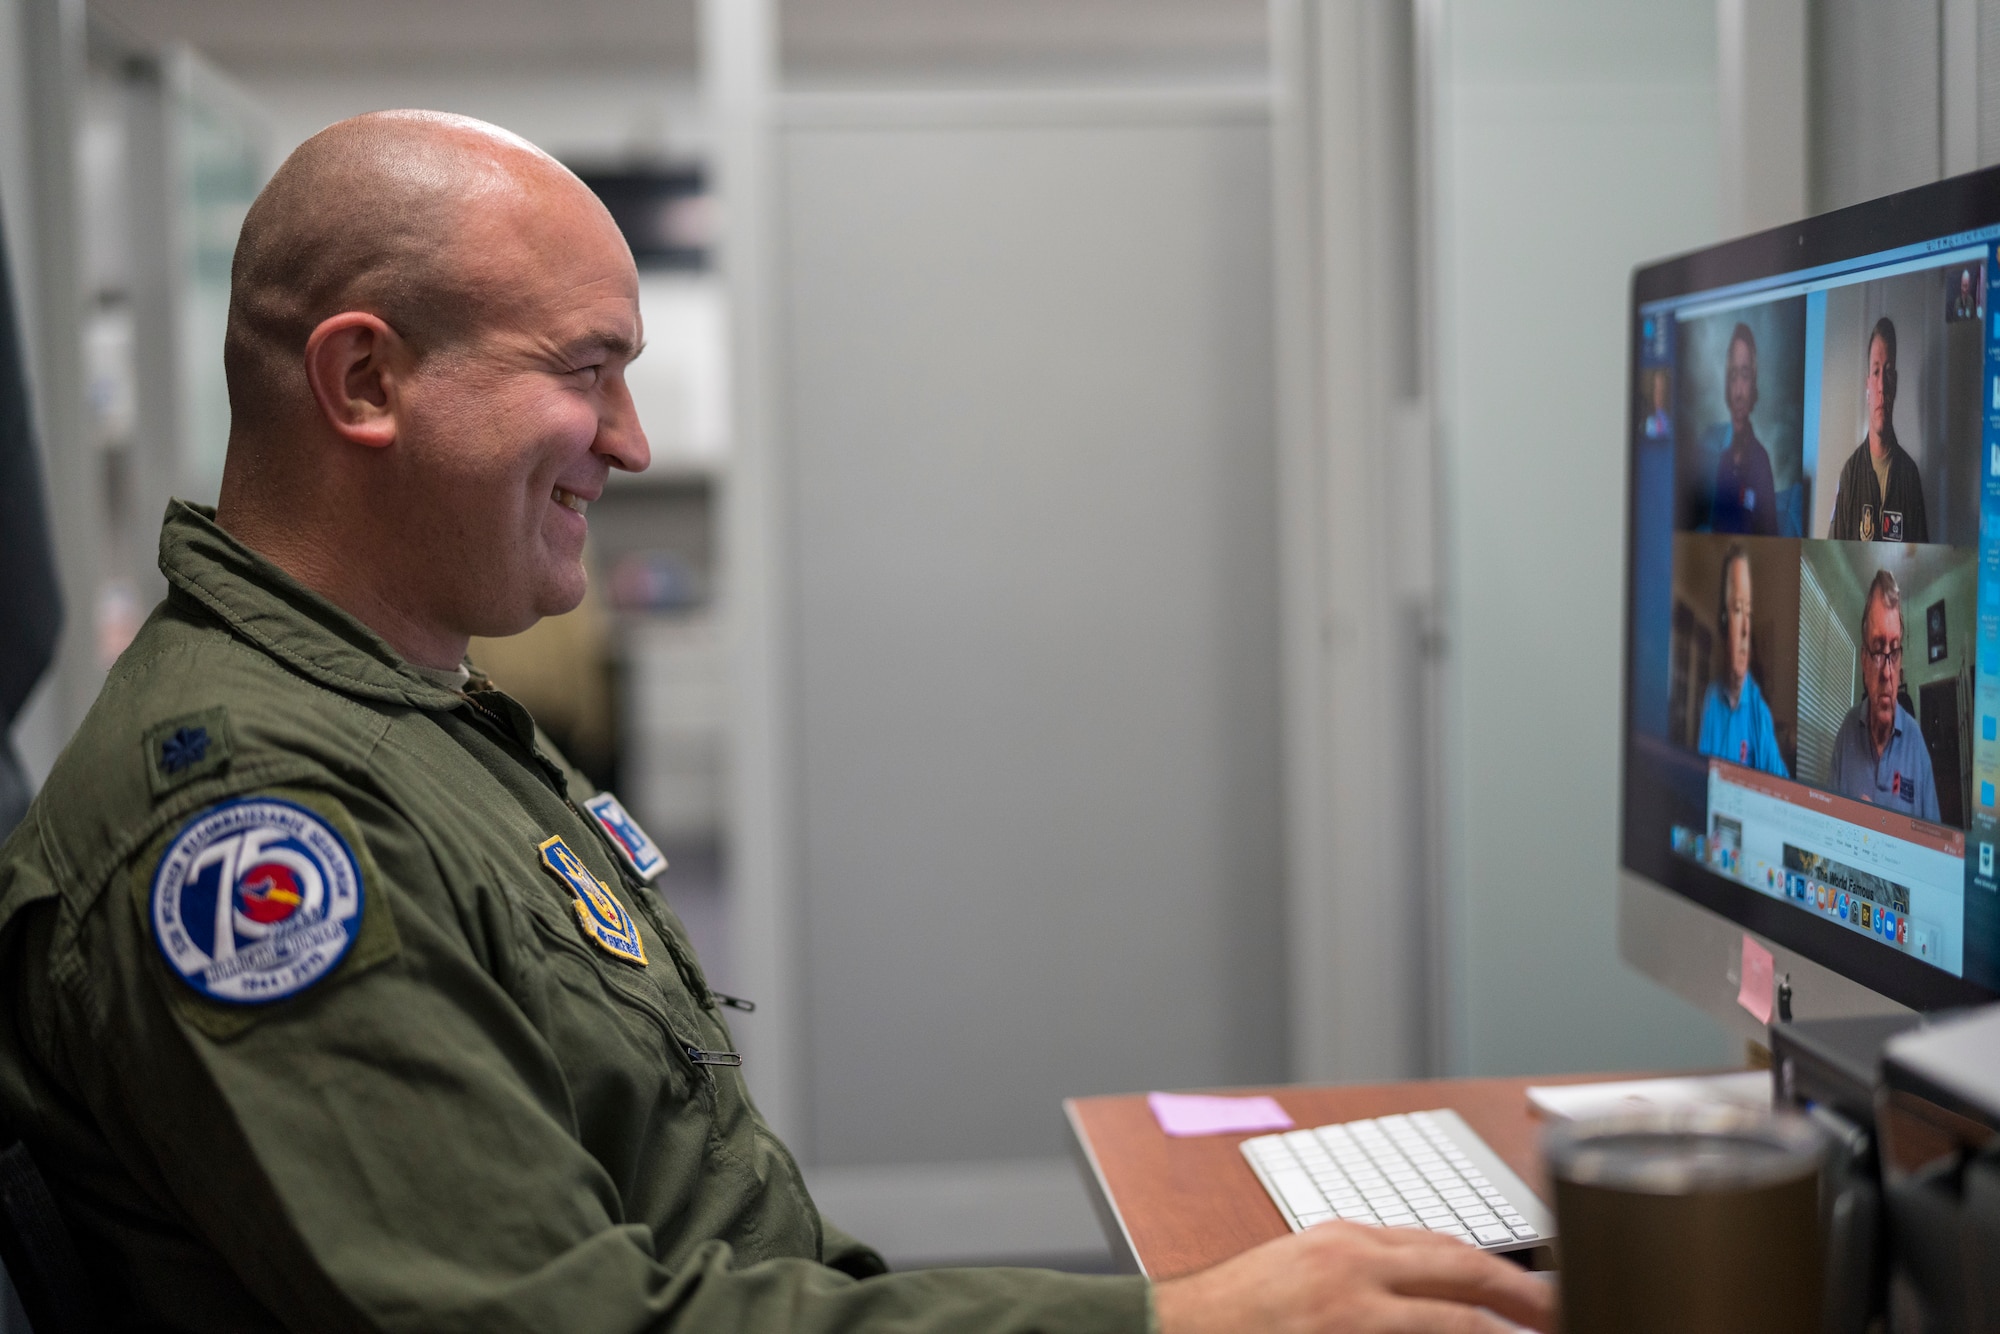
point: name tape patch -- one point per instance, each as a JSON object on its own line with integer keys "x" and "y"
{"x": 640, "y": 852}
{"x": 604, "y": 918}
{"x": 255, "y": 900}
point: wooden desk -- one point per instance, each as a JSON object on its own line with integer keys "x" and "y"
{"x": 1173, "y": 1206}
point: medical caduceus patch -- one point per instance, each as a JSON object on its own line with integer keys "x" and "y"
{"x": 604, "y": 918}
{"x": 255, "y": 900}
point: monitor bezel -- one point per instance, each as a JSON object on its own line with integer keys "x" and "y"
{"x": 1926, "y": 213}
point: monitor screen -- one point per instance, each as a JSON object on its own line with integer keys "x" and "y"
{"x": 1813, "y": 605}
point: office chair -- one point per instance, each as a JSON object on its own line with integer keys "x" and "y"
{"x": 40, "y": 1255}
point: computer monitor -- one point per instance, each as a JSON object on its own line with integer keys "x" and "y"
{"x": 1812, "y": 667}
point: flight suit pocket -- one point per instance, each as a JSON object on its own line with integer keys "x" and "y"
{"x": 601, "y": 1011}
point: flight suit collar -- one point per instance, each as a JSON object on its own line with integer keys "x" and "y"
{"x": 262, "y": 604}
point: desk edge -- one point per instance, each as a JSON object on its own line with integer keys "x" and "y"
{"x": 1124, "y": 1254}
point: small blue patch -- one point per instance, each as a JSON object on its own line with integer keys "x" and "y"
{"x": 255, "y": 900}
{"x": 604, "y": 918}
{"x": 185, "y": 747}
{"x": 639, "y": 851}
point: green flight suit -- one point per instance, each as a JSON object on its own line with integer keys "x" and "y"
{"x": 478, "y": 1119}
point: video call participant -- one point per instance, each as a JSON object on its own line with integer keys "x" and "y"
{"x": 1735, "y": 720}
{"x": 1879, "y": 753}
{"x": 1744, "y": 498}
{"x": 1881, "y": 493}
{"x": 1659, "y": 422}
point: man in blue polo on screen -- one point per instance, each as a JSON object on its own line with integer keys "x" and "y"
{"x": 1735, "y": 720}
{"x": 1879, "y": 753}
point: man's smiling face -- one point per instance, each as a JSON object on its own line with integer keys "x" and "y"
{"x": 509, "y": 433}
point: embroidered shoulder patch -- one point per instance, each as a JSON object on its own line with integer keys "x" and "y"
{"x": 640, "y": 852}
{"x": 255, "y": 900}
{"x": 604, "y": 918}
{"x": 183, "y": 749}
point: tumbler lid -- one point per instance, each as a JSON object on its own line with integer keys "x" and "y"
{"x": 1687, "y": 1151}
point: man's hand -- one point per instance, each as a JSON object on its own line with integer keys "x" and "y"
{"x": 1340, "y": 1278}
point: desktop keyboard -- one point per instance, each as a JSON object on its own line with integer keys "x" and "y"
{"x": 1426, "y": 1169}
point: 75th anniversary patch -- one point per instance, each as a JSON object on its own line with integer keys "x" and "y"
{"x": 255, "y": 900}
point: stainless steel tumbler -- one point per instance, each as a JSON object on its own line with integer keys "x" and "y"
{"x": 1691, "y": 1222}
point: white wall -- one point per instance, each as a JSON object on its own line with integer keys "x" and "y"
{"x": 1028, "y": 462}
{"x": 1030, "y": 452}
{"x": 1579, "y": 138}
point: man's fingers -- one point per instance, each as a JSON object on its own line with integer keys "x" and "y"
{"x": 1414, "y": 1236}
{"x": 1421, "y": 1316}
{"x": 1442, "y": 1271}
{"x": 1391, "y": 1236}
{"x": 1460, "y": 1274}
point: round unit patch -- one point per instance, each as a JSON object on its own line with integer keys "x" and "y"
{"x": 256, "y": 900}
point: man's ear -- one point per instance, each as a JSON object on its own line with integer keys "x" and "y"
{"x": 355, "y": 364}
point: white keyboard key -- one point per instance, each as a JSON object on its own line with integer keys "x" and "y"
{"x": 1301, "y": 1196}
{"x": 1491, "y": 1236}
{"x": 1309, "y": 1220}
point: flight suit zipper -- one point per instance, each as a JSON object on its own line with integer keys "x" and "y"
{"x": 700, "y": 1059}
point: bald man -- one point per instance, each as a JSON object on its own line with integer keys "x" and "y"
{"x": 331, "y": 996}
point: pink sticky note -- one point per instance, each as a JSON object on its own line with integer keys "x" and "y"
{"x": 1754, "y": 994}
{"x": 1183, "y": 1114}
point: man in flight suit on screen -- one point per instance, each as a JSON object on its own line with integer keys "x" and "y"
{"x": 1880, "y": 497}
{"x": 331, "y": 997}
